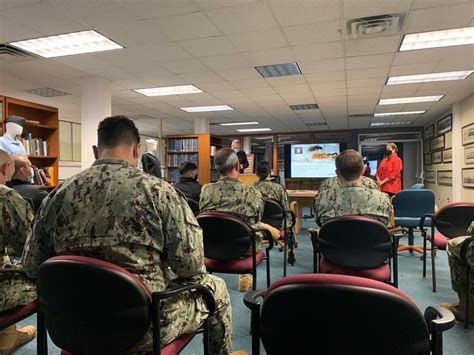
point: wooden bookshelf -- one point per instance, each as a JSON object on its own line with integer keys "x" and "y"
{"x": 177, "y": 152}
{"x": 42, "y": 123}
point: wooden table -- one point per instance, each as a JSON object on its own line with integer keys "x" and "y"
{"x": 304, "y": 198}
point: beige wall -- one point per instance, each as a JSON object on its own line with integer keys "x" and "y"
{"x": 467, "y": 117}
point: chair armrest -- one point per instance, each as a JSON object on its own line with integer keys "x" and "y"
{"x": 422, "y": 221}
{"x": 293, "y": 218}
{"x": 439, "y": 319}
{"x": 251, "y": 299}
{"x": 313, "y": 234}
{"x": 464, "y": 247}
{"x": 203, "y": 290}
{"x": 394, "y": 230}
{"x": 267, "y": 235}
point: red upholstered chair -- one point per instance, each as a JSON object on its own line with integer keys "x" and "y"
{"x": 450, "y": 222}
{"x": 357, "y": 246}
{"x": 341, "y": 314}
{"x": 94, "y": 307}
{"x": 275, "y": 215}
{"x": 226, "y": 239}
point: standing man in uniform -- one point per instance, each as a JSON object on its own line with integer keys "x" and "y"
{"x": 243, "y": 162}
{"x": 352, "y": 197}
{"x": 114, "y": 212}
{"x": 15, "y": 288}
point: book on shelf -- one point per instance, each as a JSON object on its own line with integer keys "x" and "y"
{"x": 34, "y": 146}
{"x": 183, "y": 144}
{"x": 42, "y": 176}
{"x": 176, "y": 159}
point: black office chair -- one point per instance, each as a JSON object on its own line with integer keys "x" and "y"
{"x": 226, "y": 240}
{"x": 94, "y": 307}
{"x": 194, "y": 205}
{"x": 357, "y": 246}
{"x": 275, "y": 215}
{"x": 340, "y": 314}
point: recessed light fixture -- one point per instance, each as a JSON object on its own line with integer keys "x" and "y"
{"x": 424, "y": 78}
{"x": 304, "y": 107}
{"x": 386, "y": 114}
{"x": 254, "y": 130}
{"x": 67, "y": 44}
{"x": 409, "y": 100}
{"x": 263, "y": 138}
{"x": 435, "y": 39}
{"x": 239, "y": 123}
{"x": 169, "y": 90}
{"x": 398, "y": 123}
{"x": 207, "y": 108}
{"x": 47, "y": 92}
{"x": 271, "y": 71}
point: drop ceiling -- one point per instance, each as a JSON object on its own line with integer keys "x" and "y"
{"x": 216, "y": 45}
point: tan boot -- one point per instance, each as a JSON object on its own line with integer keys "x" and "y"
{"x": 13, "y": 337}
{"x": 245, "y": 282}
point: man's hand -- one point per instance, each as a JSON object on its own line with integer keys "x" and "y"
{"x": 274, "y": 232}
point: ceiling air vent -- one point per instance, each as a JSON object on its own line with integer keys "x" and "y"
{"x": 12, "y": 54}
{"x": 366, "y": 27}
{"x": 316, "y": 124}
{"x": 304, "y": 107}
{"x": 47, "y": 92}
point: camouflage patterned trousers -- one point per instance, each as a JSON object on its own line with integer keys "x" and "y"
{"x": 15, "y": 289}
{"x": 458, "y": 270}
{"x": 186, "y": 312}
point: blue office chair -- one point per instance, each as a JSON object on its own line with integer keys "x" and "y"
{"x": 417, "y": 187}
{"x": 409, "y": 207}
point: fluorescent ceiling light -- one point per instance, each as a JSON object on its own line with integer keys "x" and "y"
{"x": 424, "y": 78}
{"x": 270, "y": 71}
{"x": 169, "y": 90}
{"x": 239, "y": 123}
{"x": 409, "y": 100}
{"x": 206, "y": 108}
{"x": 254, "y": 130}
{"x": 435, "y": 39}
{"x": 399, "y": 123}
{"x": 385, "y": 114}
{"x": 263, "y": 138}
{"x": 67, "y": 44}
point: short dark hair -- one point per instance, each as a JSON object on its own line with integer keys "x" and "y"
{"x": 350, "y": 164}
{"x": 263, "y": 169}
{"x": 117, "y": 130}
{"x": 225, "y": 160}
{"x": 187, "y": 166}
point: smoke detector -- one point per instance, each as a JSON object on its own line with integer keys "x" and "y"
{"x": 373, "y": 26}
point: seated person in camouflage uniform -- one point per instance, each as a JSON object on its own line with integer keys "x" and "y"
{"x": 352, "y": 197}
{"x": 335, "y": 183}
{"x": 15, "y": 288}
{"x": 271, "y": 189}
{"x": 230, "y": 195}
{"x": 114, "y": 212}
{"x": 458, "y": 277}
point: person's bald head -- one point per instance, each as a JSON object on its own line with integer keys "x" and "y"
{"x": 235, "y": 144}
{"x": 6, "y": 167}
{"x": 22, "y": 167}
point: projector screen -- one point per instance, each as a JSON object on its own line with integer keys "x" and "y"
{"x": 311, "y": 160}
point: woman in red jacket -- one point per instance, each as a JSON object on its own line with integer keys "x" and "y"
{"x": 388, "y": 175}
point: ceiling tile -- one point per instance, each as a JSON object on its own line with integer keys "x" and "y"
{"x": 362, "y": 83}
{"x": 242, "y": 18}
{"x": 83, "y": 62}
{"x": 213, "y": 4}
{"x": 318, "y": 32}
{"x": 227, "y": 61}
{"x": 325, "y": 77}
{"x": 249, "y": 83}
{"x": 328, "y": 85}
{"x": 438, "y": 18}
{"x": 227, "y": 94}
{"x": 330, "y": 93}
{"x": 11, "y": 31}
{"x": 159, "y": 8}
{"x": 410, "y": 69}
{"x": 326, "y": 65}
{"x": 365, "y": 8}
{"x": 165, "y": 80}
{"x": 204, "y": 77}
{"x": 364, "y": 90}
{"x": 319, "y": 51}
{"x": 286, "y": 80}
{"x": 297, "y": 98}
{"x": 258, "y": 92}
{"x": 258, "y": 40}
{"x": 185, "y": 66}
{"x": 111, "y": 73}
{"x": 188, "y": 26}
{"x": 288, "y": 13}
{"x": 208, "y": 46}
{"x": 270, "y": 56}
{"x": 369, "y": 61}
{"x": 379, "y": 45}
{"x": 239, "y": 74}
{"x": 292, "y": 88}
{"x": 367, "y": 73}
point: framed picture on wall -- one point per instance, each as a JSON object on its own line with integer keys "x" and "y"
{"x": 468, "y": 134}
{"x": 427, "y": 159}
{"x": 447, "y": 155}
{"x": 429, "y": 132}
{"x": 468, "y": 178}
{"x": 430, "y": 176}
{"x": 437, "y": 158}
{"x": 445, "y": 177}
{"x": 438, "y": 143}
{"x": 469, "y": 155}
{"x": 444, "y": 125}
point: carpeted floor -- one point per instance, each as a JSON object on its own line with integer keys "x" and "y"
{"x": 456, "y": 341}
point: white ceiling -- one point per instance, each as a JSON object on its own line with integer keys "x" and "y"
{"x": 215, "y": 45}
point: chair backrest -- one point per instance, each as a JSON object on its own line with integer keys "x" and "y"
{"x": 454, "y": 219}
{"x": 417, "y": 187}
{"x": 226, "y": 236}
{"x": 273, "y": 213}
{"x": 413, "y": 203}
{"x": 92, "y": 306}
{"x": 355, "y": 242}
{"x": 339, "y": 314}
{"x": 194, "y": 205}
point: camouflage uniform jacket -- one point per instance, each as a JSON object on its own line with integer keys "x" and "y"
{"x": 15, "y": 225}
{"x": 276, "y": 192}
{"x": 352, "y": 199}
{"x": 119, "y": 214}
{"x": 334, "y": 182}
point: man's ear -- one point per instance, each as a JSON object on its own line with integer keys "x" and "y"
{"x": 136, "y": 150}
{"x": 96, "y": 152}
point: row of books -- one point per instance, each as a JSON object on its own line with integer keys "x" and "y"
{"x": 183, "y": 144}
{"x": 173, "y": 175}
{"x": 42, "y": 176}
{"x": 34, "y": 146}
{"x": 177, "y": 159}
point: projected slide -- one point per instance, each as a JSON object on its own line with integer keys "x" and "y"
{"x": 314, "y": 160}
